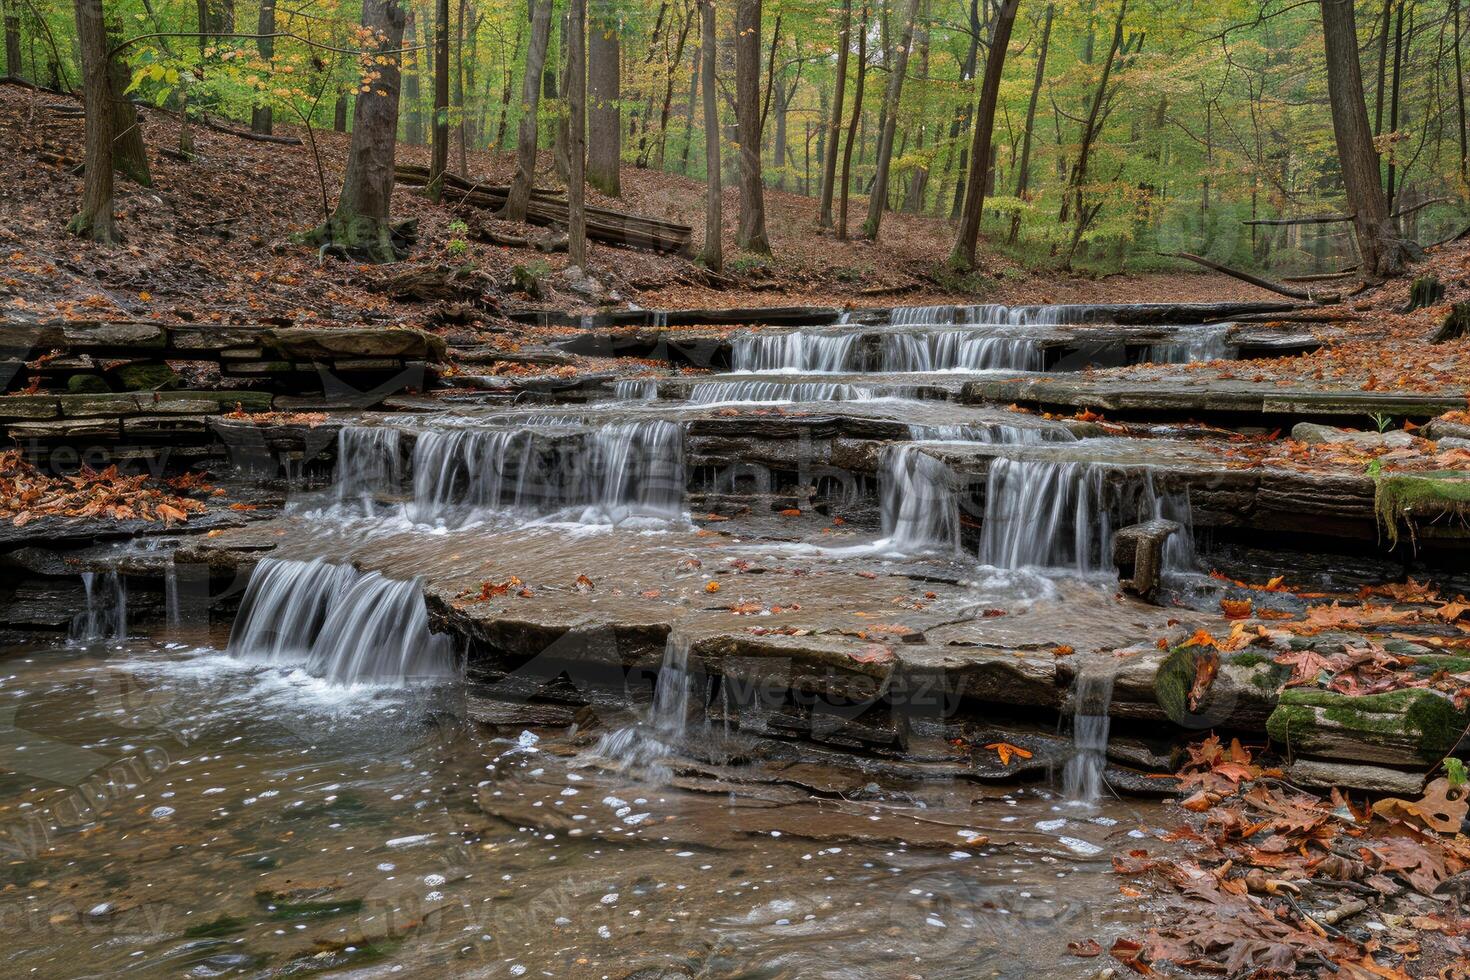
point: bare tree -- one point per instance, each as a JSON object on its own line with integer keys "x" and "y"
{"x": 834, "y": 127}
{"x": 439, "y": 154}
{"x": 712, "y": 255}
{"x": 577, "y": 132}
{"x": 963, "y": 256}
{"x": 752, "y": 233}
{"x": 260, "y": 116}
{"x": 604, "y": 116}
{"x": 852, "y": 126}
{"x": 359, "y": 224}
{"x": 1382, "y": 252}
{"x": 525, "y": 179}
{"x": 1023, "y": 168}
{"x": 95, "y": 220}
{"x": 878, "y": 196}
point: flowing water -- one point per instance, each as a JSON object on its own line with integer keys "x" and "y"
{"x": 105, "y": 616}
{"x": 1092, "y": 697}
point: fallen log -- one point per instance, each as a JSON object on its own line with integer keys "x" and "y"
{"x": 1254, "y": 280}
{"x": 549, "y": 210}
{"x": 246, "y": 134}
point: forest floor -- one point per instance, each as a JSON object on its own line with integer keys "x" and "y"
{"x": 210, "y": 240}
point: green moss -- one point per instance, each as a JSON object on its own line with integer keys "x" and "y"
{"x": 1423, "y": 718}
{"x": 1419, "y": 495}
{"x": 1173, "y": 681}
{"x": 1249, "y": 658}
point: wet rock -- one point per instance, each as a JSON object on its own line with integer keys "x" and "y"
{"x": 490, "y": 711}
{"x": 1242, "y": 695}
{"x": 1405, "y": 728}
{"x": 1314, "y": 434}
{"x": 578, "y": 281}
{"x": 1138, "y": 554}
{"x": 310, "y": 343}
{"x": 1323, "y": 774}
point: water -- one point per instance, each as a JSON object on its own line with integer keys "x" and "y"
{"x": 776, "y": 392}
{"x": 665, "y": 729}
{"x": 105, "y": 617}
{"x": 369, "y": 463}
{"x": 985, "y": 314}
{"x": 920, "y": 508}
{"x": 637, "y": 390}
{"x": 215, "y": 818}
{"x": 1207, "y": 342}
{"x": 1062, "y": 514}
{"x": 340, "y": 625}
{"x": 1092, "y": 697}
{"x": 633, "y": 469}
{"x": 803, "y": 353}
{"x": 959, "y": 350}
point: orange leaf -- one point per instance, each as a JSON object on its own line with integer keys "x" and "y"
{"x": 1006, "y": 750}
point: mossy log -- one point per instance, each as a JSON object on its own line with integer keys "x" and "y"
{"x": 1420, "y": 497}
{"x": 1406, "y": 728}
{"x": 1241, "y": 697}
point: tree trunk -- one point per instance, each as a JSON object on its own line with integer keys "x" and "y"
{"x": 12, "y": 45}
{"x": 1023, "y": 176}
{"x": 577, "y": 133}
{"x": 413, "y": 127}
{"x": 693, "y": 95}
{"x": 526, "y": 142}
{"x": 668, "y": 104}
{"x": 834, "y": 128}
{"x": 712, "y": 255}
{"x": 1460, "y": 100}
{"x": 339, "y": 115}
{"x": 464, "y": 163}
{"x": 878, "y": 196}
{"x": 1090, "y": 132}
{"x": 853, "y": 124}
{"x": 919, "y": 180}
{"x": 1393, "y": 112}
{"x": 1382, "y": 253}
{"x": 260, "y": 116}
{"x": 963, "y": 256}
{"x": 561, "y": 151}
{"x": 360, "y": 222}
{"x": 94, "y": 220}
{"x": 752, "y": 233}
{"x": 129, "y": 154}
{"x": 604, "y": 116}
{"x": 439, "y": 154}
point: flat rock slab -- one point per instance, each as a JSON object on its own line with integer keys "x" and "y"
{"x": 1185, "y": 393}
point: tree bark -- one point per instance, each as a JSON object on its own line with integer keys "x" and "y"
{"x": 339, "y": 114}
{"x": 1393, "y": 112}
{"x": 604, "y": 89}
{"x": 1460, "y": 100}
{"x": 963, "y": 256}
{"x": 752, "y": 234}
{"x": 13, "y": 67}
{"x": 439, "y": 153}
{"x": 577, "y": 133}
{"x": 526, "y": 142}
{"x": 464, "y": 163}
{"x": 878, "y": 196}
{"x": 712, "y": 255}
{"x": 1382, "y": 253}
{"x": 1023, "y": 176}
{"x": 359, "y": 223}
{"x": 1090, "y": 132}
{"x": 260, "y": 116}
{"x": 95, "y": 220}
{"x": 834, "y": 128}
{"x": 129, "y": 154}
{"x": 919, "y": 179}
{"x": 413, "y": 127}
{"x": 663, "y": 117}
{"x": 853, "y": 125}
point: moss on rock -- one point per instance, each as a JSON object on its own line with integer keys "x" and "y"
{"x": 1398, "y": 726}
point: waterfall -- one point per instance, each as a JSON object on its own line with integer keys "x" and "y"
{"x": 106, "y": 614}
{"x": 1052, "y": 514}
{"x": 339, "y": 624}
{"x": 1092, "y": 698}
{"x": 369, "y": 462}
{"x": 803, "y": 353}
{"x": 630, "y": 469}
{"x": 636, "y": 390}
{"x": 1208, "y": 342}
{"x": 986, "y": 314}
{"x": 666, "y": 725}
{"x": 959, "y": 350}
{"x": 715, "y": 392}
{"x": 920, "y": 509}
{"x": 991, "y": 434}
{"x": 172, "y": 619}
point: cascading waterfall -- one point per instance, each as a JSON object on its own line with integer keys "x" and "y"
{"x": 960, "y": 350}
{"x": 920, "y": 508}
{"x": 716, "y": 392}
{"x": 803, "y": 353}
{"x": 990, "y": 434}
{"x": 630, "y": 469}
{"x": 636, "y": 390}
{"x": 1209, "y": 342}
{"x": 1060, "y": 514}
{"x": 666, "y": 726}
{"x": 369, "y": 462}
{"x": 339, "y": 624}
{"x": 988, "y": 313}
{"x": 106, "y": 614}
{"x": 1092, "y": 699}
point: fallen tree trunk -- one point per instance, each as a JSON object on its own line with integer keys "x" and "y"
{"x": 550, "y": 210}
{"x": 1254, "y": 280}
